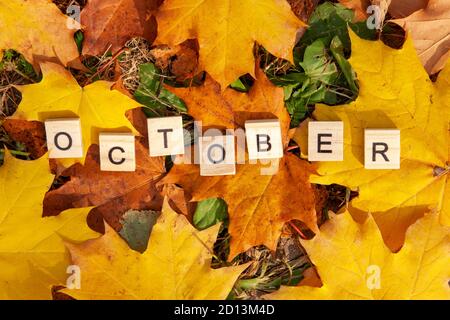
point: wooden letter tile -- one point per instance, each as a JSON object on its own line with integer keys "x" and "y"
{"x": 264, "y": 139}
{"x": 117, "y": 152}
{"x": 326, "y": 141}
{"x": 217, "y": 155}
{"x": 382, "y": 149}
{"x": 64, "y": 138}
{"x": 165, "y": 136}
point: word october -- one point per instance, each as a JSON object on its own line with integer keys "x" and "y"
{"x": 217, "y": 152}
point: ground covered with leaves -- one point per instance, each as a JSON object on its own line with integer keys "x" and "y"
{"x": 312, "y": 230}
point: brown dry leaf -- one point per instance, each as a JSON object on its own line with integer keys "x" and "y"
{"x": 112, "y": 192}
{"x": 311, "y": 278}
{"x": 258, "y": 205}
{"x": 179, "y": 200}
{"x": 303, "y": 8}
{"x": 180, "y": 60}
{"x": 358, "y": 6}
{"x": 108, "y": 24}
{"x": 402, "y": 8}
{"x": 430, "y": 30}
{"x": 30, "y": 133}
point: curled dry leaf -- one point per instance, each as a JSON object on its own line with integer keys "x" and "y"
{"x": 176, "y": 265}
{"x": 113, "y": 193}
{"x": 104, "y": 24}
{"x": 38, "y": 30}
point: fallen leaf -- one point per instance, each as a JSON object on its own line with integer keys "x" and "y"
{"x": 38, "y": 30}
{"x": 103, "y": 24}
{"x": 402, "y": 8}
{"x": 113, "y": 193}
{"x": 303, "y": 8}
{"x": 137, "y": 226}
{"x": 359, "y": 6}
{"x": 258, "y": 205}
{"x": 395, "y": 92}
{"x": 354, "y": 263}
{"x": 179, "y": 200}
{"x": 58, "y": 95}
{"x": 32, "y": 253}
{"x": 30, "y": 133}
{"x": 181, "y": 60}
{"x": 430, "y": 30}
{"x": 227, "y": 30}
{"x": 176, "y": 265}
{"x": 230, "y": 109}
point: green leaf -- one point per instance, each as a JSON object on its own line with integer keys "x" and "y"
{"x": 317, "y": 65}
{"x": 337, "y": 50}
{"x": 137, "y": 227}
{"x": 328, "y": 21}
{"x": 79, "y": 37}
{"x": 153, "y": 95}
{"x": 297, "y": 108}
{"x": 209, "y": 212}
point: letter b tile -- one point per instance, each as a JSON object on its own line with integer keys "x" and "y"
{"x": 264, "y": 139}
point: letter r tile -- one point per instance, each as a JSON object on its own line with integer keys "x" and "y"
{"x": 382, "y": 149}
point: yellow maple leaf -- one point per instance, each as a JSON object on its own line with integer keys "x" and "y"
{"x": 227, "y": 30}
{"x": 354, "y": 263}
{"x": 176, "y": 265}
{"x": 32, "y": 253}
{"x": 38, "y": 30}
{"x": 58, "y": 95}
{"x": 395, "y": 92}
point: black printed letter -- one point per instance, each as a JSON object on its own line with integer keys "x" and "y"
{"x": 69, "y": 138}
{"x": 117, "y": 162}
{"x": 321, "y": 143}
{"x": 382, "y": 152}
{"x": 165, "y": 136}
{"x": 267, "y": 141}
